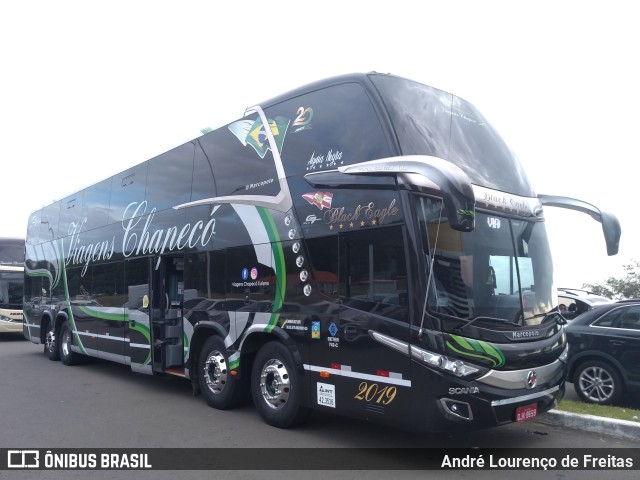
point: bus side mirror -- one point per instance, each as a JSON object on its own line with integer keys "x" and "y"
{"x": 610, "y": 224}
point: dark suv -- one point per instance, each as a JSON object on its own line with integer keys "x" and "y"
{"x": 604, "y": 352}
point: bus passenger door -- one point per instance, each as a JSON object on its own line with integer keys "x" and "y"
{"x": 167, "y": 331}
{"x": 137, "y": 293}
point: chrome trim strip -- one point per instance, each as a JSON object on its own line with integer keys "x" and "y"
{"x": 391, "y": 342}
{"x": 524, "y": 398}
{"x": 517, "y": 379}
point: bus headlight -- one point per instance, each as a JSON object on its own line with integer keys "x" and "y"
{"x": 456, "y": 367}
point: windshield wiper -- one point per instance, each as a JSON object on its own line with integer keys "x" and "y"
{"x": 557, "y": 316}
{"x": 459, "y": 328}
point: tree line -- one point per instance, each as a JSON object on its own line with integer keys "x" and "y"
{"x": 622, "y": 288}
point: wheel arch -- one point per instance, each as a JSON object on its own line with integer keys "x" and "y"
{"x": 47, "y": 317}
{"x": 254, "y": 341}
{"x": 598, "y": 356}
{"x": 201, "y": 332}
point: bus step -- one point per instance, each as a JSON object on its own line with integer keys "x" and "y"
{"x": 178, "y": 372}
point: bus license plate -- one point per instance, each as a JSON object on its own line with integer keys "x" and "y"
{"x": 526, "y": 413}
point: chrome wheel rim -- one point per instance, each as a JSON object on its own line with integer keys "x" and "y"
{"x": 597, "y": 384}
{"x": 66, "y": 343}
{"x": 215, "y": 372}
{"x": 274, "y": 384}
{"x": 50, "y": 340}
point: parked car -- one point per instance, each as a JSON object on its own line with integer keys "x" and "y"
{"x": 604, "y": 352}
{"x": 578, "y": 301}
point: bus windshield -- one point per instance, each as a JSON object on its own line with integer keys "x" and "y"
{"x": 12, "y": 252}
{"x": 428, "y": 121}
{"x": 11, "y": 289}
{"x": 502, "y": 269}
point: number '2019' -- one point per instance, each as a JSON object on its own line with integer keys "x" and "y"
{"x": 370, "y": 392}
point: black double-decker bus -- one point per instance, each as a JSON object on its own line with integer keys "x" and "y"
{"x": 365, "y": 245}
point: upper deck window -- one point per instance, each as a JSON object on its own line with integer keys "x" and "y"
{"x": 169, "y": 178}
{"x": 128, "y": 191}
{"x": 237, "y": 160}
{"x": 328, "y": 128}
{"x": 428, "y": 121}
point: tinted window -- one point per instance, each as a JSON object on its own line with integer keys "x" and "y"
{"x": 204, "y": 183}
{"x": 240, "y": 157}
{"x": 250, "y": 280}
{"x": 169, "y": 178}
{"x": 12, "y": 252}
{"x": 324, "y": 258}
{"x": 610, "y": 319}
{"x": 623, "y": 317}
{"x": 631, "y": 319}
{"x": 70, "y": 214}
{"x": 11, "y": 289}
{"x": 330, "y": 127}
{"x": 33, "y": 228}
{"x": 204, "y": 278}
{"x": 128, "y": 192}
{"x": 373, "y": 272}
{"x": 95, "y": 205}
{"x": 75, "y": 285}
{"x": 136, "y": 282}
{"x": 107, "y": 284}
{"x": 49, "y": 222}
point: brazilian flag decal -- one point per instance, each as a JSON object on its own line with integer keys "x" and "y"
{"x": 476, "y": 350}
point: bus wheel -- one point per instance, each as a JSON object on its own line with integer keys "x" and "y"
{"x": 219, "y": 387}
{"x": 276, "y": 387}
{"x": 68, "y": 356}
{"x": 50, "y": 345}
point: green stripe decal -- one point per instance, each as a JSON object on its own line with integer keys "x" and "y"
{"x": 279, "y": 265}
{"x": 477, "y": 349}
{"x": 144, "y": 330}
{"x": 121, "y": 317}
{"x": 494, "y": 353}
{"x": 66, "y": 296}
{"x": 112, "y": 317}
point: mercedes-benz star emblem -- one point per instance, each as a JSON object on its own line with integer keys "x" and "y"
{"x": 532, "y": 379}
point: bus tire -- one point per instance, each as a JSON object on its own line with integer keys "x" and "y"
{"x": 68, "y": 356}
{"x": 276, "y": 387}
{"x": 218, "y": 386}
{"x": 50, "y": 343}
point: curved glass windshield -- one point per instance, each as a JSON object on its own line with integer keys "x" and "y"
{"x": 11, "y": 252}
{"x": 11, "y": 289}
{"x": 502, "y": 269}
{"x": 428, "y": 121}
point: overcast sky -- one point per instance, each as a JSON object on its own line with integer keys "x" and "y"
{"x": 91, "y": 88}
